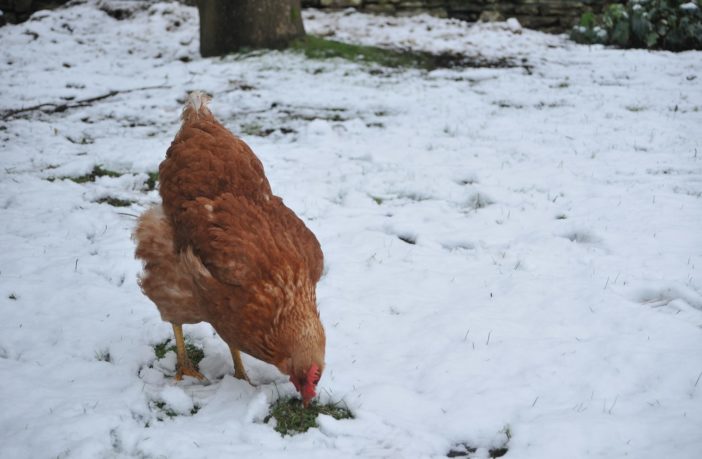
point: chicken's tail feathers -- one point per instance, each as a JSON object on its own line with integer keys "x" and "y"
{"x": 196, "y": 106}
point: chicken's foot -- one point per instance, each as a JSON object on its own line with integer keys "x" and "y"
{"x": 239, "y": 371}
{"x": 184, "y": 366}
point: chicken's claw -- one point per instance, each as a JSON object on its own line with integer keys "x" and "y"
{"x": 184, "y": 367}
{"x": 188, "y": 371}
{"x": 243, "y": 376}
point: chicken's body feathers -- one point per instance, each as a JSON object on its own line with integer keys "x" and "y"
{"x": 224, "y": 249}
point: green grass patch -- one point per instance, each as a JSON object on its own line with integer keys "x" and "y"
{"x": 464, "y": 449}
{"x": 321, "y": 48}
{"x": 194, "y": 353}
{"x": 150, "y": 183}
{"x": 165, "y": 409}
{"x": 255, "y": 129}
{"x": 291, "y": 417}
{"x": 378, "y": 200}
{"x": 98, "y": 171}
{"x": 161, "y": 349}
{"x": 115, "y": 202}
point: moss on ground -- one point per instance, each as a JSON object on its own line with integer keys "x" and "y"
{"x": 321, "y": 48}
{"x": 150, "y": 183}
{"x": 115, "y": 202}
{"x": 168, "y": 411}
{"x": 292, "y": 417}
{"x": 98, "y": 171}
{"x": 194, "y": 353}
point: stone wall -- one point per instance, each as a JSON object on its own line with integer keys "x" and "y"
{"x": 15, "y": 11}
{"x": 548, "y": 15}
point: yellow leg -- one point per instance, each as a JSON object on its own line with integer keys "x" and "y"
{"x": 184, "y": 365}
{"x": 239, "y": 371}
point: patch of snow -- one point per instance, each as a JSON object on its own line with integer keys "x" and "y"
{"x": 689, "y": 6}
{"x": 514, "y": 25}
{"x": 550, "y": 289}
{"x": 176, "y": 399}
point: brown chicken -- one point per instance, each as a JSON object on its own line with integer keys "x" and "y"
{"x": 223, "y": 249}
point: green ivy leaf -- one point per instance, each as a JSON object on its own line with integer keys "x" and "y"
{"x": 651, "y": 39}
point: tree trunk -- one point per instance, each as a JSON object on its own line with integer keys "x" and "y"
{"x": 229, "y": 25}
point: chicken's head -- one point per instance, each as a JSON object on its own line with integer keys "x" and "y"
{"x": 306, "y": 382}
{"x": 304, "y": 363}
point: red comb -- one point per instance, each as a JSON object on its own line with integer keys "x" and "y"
{"x": 308, "y": 389}
{"x": 313, "y": 374}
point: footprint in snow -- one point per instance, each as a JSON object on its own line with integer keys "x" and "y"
{"x": 676, "y": 297}
{"x": 453, "y": 246}
{"x": 582, "y": 237}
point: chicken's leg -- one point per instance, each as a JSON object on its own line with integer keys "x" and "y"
{"x": 184, "y": 365}
{"x": 239, "y": 371}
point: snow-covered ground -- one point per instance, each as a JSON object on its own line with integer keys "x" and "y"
{"x": 512, "y": 254}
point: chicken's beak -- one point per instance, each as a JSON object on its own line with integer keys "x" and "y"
{"x": 307, "y": 396}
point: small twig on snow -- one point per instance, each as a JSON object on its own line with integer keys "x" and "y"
{"x": 50, "y": 107}
{"x": 609, "y": 411}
